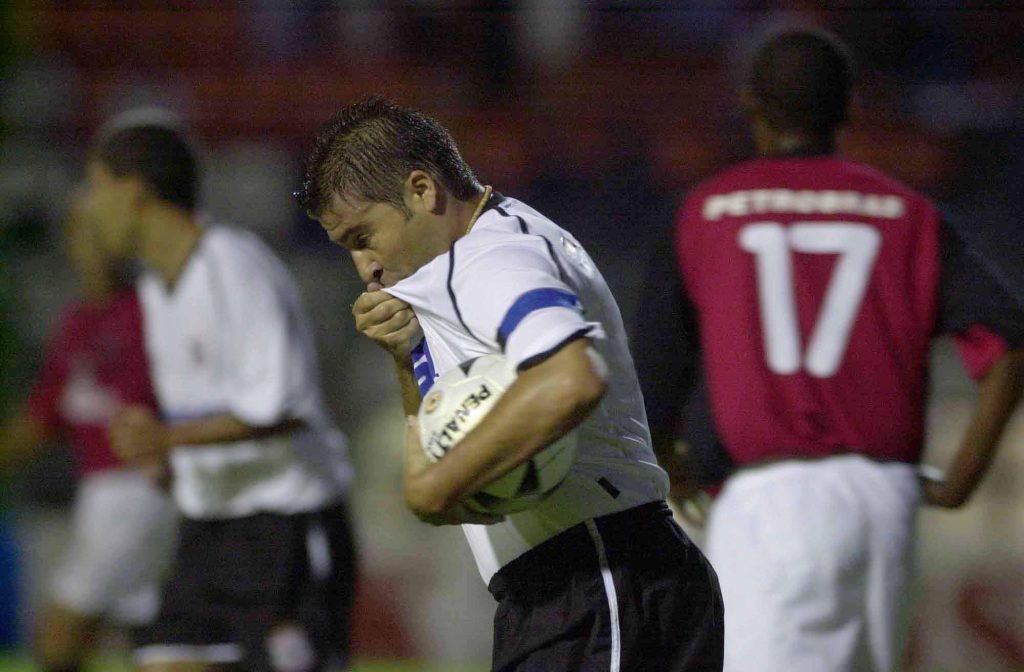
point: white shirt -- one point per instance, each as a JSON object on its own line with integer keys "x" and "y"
{"x": 520, "y": 285}
{"x": 231, "y": 337}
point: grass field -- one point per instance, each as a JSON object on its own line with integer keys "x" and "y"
{"x": 17, "y": 663}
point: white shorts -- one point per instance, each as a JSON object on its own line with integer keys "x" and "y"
{"x": 814, "y": 562}
{"x": 124, "y": 531}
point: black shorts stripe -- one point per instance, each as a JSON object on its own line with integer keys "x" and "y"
{"x": 554, "y": 601}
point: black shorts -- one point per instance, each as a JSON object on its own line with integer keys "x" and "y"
{"x": 266, "y": 592}
{"x": 628, "y": 591}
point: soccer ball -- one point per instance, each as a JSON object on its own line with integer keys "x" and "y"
{"x": 457, "y": 402}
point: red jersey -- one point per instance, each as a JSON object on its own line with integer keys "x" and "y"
{"x": 817, "y": 284}
{"x": 95, "y": 364}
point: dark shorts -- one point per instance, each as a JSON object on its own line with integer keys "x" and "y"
{"x": 628, "y": 591}
{"x": 266, "y": 592}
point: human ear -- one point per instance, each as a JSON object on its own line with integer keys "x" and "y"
{"x": 422, "y": 191}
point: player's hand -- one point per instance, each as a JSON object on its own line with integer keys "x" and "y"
{"x": 937, "y": 491}
{"x": 459, "y": 514}
{"x": 685, "y": 493}
{"x": 137, "y": 436}
{"x": 387, "y": 321}
{"x": 692, "y": 508}
{"x": 941, "y": 494}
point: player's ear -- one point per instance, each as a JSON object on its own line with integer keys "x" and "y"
{"x": 423, "y": 192}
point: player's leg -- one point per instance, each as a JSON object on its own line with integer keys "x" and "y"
{"x": 789, "y": 543}
{"x": 187, "y": 666}
{"x": 64, "y": 638}
{"x": 191, "y": 632}
{"x": 299, "y": 616}
{"x": 122, "y": 535}
{"x": 333, "y": 588}
{"x": 893, "y": 495}
{"x": 136, "y": 525}
{"x": 70, "y": 620}
{"x": 326, "y": 591}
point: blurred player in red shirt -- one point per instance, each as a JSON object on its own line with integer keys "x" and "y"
{"x": 123, "y": 525}
{"x": 808, "y": 288}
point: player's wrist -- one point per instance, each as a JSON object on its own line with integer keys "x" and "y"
{"x": 929, "y": 473}
{"x": 402, "y": 363}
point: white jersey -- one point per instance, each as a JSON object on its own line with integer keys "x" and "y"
{"x": 231, "y": 338}
{"x": 518, "y": 284}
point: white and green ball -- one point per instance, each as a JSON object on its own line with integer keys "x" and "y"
{"x": 457, "y": 402}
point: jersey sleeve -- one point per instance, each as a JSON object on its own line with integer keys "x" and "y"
{"x": 265, "y": 365}
{"x": 979, "y": 350}
{"x": 976, "y": 304}
{"x": 43, "y": 403}
{"x": 514, "y": 297}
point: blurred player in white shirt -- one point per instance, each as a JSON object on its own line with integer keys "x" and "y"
{"x": 596, "y": 576}
{"x": 264, "y": 572}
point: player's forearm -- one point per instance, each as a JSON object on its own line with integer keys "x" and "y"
{"x": 224, "y": 428}
{"x": 544, "y": 403}
{"x": 999, "y": 394}
{"x": 410, "y": 390}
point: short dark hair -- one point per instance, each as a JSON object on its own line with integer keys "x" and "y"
{"x": 802, "y": 79}
{"x": 159, "y": 155}
{"x": 368, "y": 149}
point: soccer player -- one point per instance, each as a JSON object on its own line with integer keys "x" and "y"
{"x": 597, "y": 575}
{"x": 809, "y": 287}
{"x": 123, "y": 525}
{"x": 263, "y": 576}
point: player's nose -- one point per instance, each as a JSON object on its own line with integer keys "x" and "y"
{"x": 370, "y": 270}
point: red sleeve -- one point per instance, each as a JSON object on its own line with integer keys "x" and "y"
{"x": 979, "y": 349}
{"x": 43, "y": 404}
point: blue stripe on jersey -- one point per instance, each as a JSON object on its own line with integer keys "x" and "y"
{"x": 535, "y": 299}
{"x": 423, "y": 367}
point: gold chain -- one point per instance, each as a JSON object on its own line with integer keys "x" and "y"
{"x": 479, "y": 207}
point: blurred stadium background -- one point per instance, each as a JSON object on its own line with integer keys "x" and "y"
{"x": 599, "y": 114}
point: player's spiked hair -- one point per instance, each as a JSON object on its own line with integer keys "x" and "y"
{"x": 368, "y": 149}
{"x": 802, "y": 80}
{"x": 157, "y": 153}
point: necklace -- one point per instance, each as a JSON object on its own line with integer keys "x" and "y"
{"x": 479, "y": 207}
